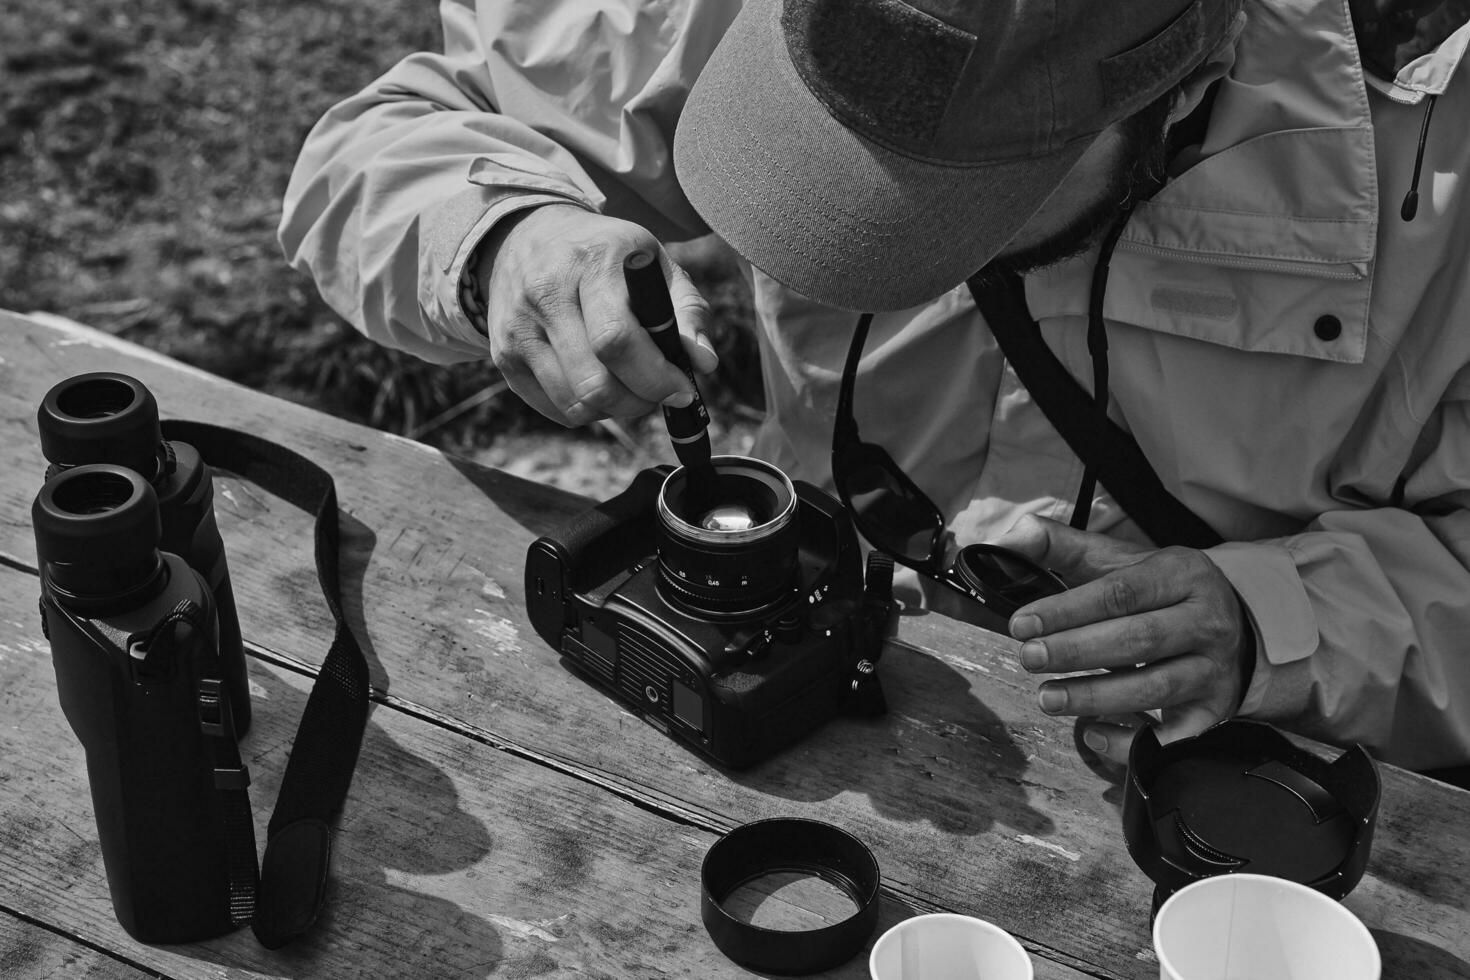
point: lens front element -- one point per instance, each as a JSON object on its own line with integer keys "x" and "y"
{"x": 738, "y": 558}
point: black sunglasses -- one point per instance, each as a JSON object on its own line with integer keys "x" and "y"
{"x": 899, "y": 519}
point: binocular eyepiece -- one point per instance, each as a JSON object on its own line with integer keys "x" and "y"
{"x": 97, "y": 534}
{"x": 92, "y": 528}
{"x": 103, "y": 418}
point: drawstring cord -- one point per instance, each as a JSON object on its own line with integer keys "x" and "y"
{"x": 1097, "y": 347}
{"x": 1411, "y": 200}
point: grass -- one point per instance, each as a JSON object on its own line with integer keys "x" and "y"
{"x": 144, "y": 150}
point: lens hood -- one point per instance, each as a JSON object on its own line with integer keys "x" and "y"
{"x": 789, "y": 844}
{"x": 1242, "y": 797}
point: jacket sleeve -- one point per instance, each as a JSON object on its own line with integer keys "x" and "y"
{"x": 532, "y": 101}
{"x": 1364, "y": 617}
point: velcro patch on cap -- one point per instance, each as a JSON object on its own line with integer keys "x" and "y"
{"x": 1144, "y": 71}
{"x": 881, "y": 67}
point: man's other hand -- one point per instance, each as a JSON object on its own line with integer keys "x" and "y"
{"x": 561, "y": 331}
{"x": 1165, "y": 624}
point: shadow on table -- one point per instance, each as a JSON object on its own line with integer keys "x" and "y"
{"x": 535, "y": 506}
{"x": 403, "y": 828}
{"x": 358, "y": 544}
{"x": 1406, "y": 957}
{"x": 939, "y": 755}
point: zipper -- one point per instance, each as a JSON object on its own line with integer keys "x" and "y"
{"x": 1293, "y": 267}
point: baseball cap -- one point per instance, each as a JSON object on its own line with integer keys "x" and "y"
{"x": 873, "y": 154}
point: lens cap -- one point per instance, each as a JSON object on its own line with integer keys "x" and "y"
{"x": 1241, "y": 797}
{"x": 101, "y": 417}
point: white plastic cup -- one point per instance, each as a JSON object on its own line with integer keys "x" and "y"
{"x": 1256, "y": 927}
{"x": 945, "y": 946}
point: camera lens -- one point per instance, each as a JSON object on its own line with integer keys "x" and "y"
{"x": 737, "y": 557}
{"x": 97, "y": 531}
{"x": 101, "y": 418}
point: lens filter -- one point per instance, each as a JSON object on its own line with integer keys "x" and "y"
{"x": 1002, "y": 579}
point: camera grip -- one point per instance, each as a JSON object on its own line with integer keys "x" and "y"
{"x": 591, "y": 549}
{"x": 611, "y": 536}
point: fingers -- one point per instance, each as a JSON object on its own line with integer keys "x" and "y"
{"x": 1158, "y": 580}
{"x": 561, "y": 329}
{"x": 692, "y": 313}
{"x": 610, "y": 357}
{"x": 1113, "y": 643}
{"x": 1078, "y": 556}
{"x": 532, "y": 370}
{"x": 1109, "y": 741}
{"x": 1165, "y": 684}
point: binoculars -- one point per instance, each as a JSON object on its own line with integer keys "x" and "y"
{"x": 137, "y": 605}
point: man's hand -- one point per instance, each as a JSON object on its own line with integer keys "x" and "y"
{"x": 1166, "y": 624}
{"x": 561, "y": 332}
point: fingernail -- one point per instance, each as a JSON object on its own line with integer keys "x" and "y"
{"x": 1095, "y": 740}
{"x": 682, "y": 400}
{"x": 700, "y": 340}
{"x": 1053, "y": 699}
{"x": 1033, "y": 655}
{"x": 1025, "y": 627}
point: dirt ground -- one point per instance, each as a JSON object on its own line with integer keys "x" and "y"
{"x": 144, "y": 149}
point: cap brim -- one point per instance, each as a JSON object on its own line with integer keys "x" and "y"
{"x": 835, "y": 216}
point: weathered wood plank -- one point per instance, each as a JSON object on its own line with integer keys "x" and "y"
{"x": 28, "y": 952}
{"x": 973, "y": 800}
{"x": 452, "y": 858}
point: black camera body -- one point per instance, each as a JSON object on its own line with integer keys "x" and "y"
{"x": 734, "y": 649}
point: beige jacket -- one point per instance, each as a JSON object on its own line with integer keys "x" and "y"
{"x": 1335, "y": 458}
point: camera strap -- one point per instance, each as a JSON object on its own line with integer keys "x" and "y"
{"x": 293, "y": 872}
{"x": 1103, "y": 446}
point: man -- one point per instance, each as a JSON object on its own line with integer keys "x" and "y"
{"x": 1288, "y": 349}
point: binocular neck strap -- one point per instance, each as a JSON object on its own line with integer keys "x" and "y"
{"x": 293, "y": 873}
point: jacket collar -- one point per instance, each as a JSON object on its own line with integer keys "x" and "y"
{"x": 1287, "y": 174}
{"x": 1407, "y": 72}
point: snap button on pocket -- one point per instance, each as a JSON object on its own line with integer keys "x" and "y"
{"x": 1327, "y": 327}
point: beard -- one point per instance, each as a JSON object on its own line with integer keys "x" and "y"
{"x": 1138, "y": 175}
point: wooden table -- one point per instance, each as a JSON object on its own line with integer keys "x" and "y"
{"x": 507, "y": 820}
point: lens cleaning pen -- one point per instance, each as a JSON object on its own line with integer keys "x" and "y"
{"x": 648, "y": 296}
